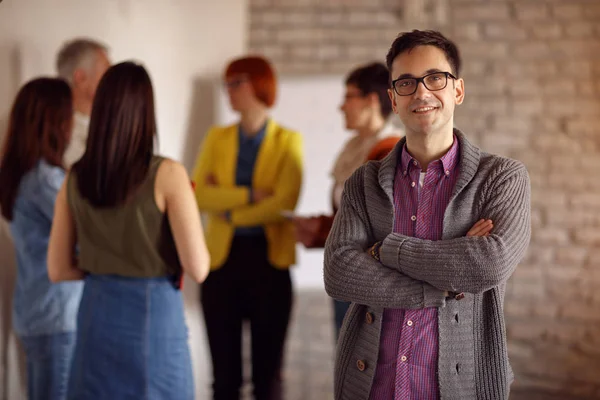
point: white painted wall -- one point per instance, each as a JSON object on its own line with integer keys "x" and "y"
{"x": 184, "y": 44}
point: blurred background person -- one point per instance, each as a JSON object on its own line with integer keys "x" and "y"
{"x": 246, "y": 175}
{"x": 31, "y": 173}
{"x": 366, "y": 110}
{"x": 135, "y": 231}
{"x": 81, "y": 62}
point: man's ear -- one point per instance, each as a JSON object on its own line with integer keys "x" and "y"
{"x": 392, "y": 100}
{"x": 79, "y": 76}
{"x": 459, "y": 91}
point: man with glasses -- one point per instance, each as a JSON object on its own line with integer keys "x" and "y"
{"x": 423, "y": 244}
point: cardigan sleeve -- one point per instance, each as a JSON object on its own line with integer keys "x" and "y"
{"x": 351, "y": 274}
{"x": 473, "y": 264}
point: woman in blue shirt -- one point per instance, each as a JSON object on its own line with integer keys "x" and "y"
{"x": 31, "y": 173}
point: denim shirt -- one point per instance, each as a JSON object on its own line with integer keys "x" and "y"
{"x": 40, "y": 307}
{"x": 246, "y": 161}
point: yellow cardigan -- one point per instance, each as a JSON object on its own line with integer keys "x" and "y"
{"x": 278, "y": 168}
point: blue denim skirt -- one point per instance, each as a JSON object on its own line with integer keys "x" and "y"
{"x": 132, "y": 341}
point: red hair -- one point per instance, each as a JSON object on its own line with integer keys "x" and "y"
{"x": 261, "y": 75}
{"x": 39, "y": 128}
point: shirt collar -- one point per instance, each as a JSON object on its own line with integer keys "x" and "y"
{"x": 256, "y": 139}
{"x": 448, "y": 160}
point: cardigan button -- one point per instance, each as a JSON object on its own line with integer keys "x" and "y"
{"x": 369, "y": 318}
{"x": 360, "y": 364}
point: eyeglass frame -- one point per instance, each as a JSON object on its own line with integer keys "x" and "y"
{"x": 422, "y": 80}
{"x": 236, "y": 82}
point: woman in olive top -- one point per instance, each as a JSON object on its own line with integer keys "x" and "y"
{"x": 246, "y": 175}
{"x": 133, "y": 217}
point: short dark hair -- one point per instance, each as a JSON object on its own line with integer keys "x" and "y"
{"x": 39, "y": 128}
{"x": 121, "y": 137}
{"x": 407, "y": 41}
{"x": 373, "y": 78}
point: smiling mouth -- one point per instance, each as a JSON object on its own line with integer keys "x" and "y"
{"x": 422, "y": 110}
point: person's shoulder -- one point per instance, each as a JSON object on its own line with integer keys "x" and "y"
{"x": 497, "y": 165}
{"x": 284, "y": 130}
{"x": 169, "y": 167}
{"x": 218, "y": 131}
{"x": 368, "y": 172}
{"x": 383, "y": 147}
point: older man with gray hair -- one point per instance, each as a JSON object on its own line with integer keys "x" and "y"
{"x": 81, "y": 62}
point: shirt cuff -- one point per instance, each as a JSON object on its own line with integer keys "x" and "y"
{"x": 390, "y": 250}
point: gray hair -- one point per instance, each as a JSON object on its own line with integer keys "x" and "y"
{"x": 77, "y": 53}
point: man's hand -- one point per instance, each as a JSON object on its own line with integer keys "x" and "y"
{"x": 306, "y": 229}
{"x": 374, "y": 251}
{"x": 259, "y": 195}
{"x": 483, "y": 227}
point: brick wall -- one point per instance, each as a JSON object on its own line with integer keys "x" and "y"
{"x": 532, "y": 75}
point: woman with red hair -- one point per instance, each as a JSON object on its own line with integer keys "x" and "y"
{"x": 31, "y": 173}
{"x": 246, "y": 175}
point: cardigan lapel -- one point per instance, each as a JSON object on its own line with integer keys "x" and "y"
{"x": 467, "y": 165}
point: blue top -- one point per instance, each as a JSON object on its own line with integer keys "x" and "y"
{"x": 248, "y": 152}
{"x": 40, "y": 307}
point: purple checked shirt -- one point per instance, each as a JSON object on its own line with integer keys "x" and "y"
{"x": 408, "y": 355}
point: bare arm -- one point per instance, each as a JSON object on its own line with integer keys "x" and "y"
{"x": 472, "y": 264}
{"x": 351, "y": 274}
{"x": 62, "y": 264}
{"x": 174, "y": 193}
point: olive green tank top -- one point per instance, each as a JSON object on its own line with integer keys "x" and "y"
{"x": 132, "y": 240}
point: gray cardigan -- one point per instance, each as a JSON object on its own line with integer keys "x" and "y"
{"x": 415, "y": 273}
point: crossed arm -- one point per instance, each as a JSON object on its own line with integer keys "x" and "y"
{"x": 415, "y": 273}
{"x": 471, "y": 264}
{"x": 351, "y": 274}
{"x": 257, "y": 207}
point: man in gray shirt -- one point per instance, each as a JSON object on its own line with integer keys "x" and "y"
{"x": 423, "y": 245}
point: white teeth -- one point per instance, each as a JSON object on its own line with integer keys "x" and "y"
{"x": 424, "y": 109}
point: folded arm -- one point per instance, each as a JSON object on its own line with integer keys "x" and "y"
{"x": 351, "y": 274}
{"x": 285, "y": 194}
{"x": 472, "y": 264}
{"x": 210, "y": 197}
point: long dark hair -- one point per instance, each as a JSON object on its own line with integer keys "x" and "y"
{"x": 121, "y": 137}
{"x": 39, "y": 128}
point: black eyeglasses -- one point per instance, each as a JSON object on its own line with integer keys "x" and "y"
{"x": 434, "y": 81}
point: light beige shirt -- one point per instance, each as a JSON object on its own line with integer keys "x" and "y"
{"x": 353, "y": 155}
{"x": 76, "y": 148}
